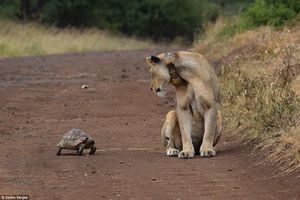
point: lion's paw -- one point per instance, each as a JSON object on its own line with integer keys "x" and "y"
{"x": 207, "y": 152}
{"x": 172, "y": 152}
{"x": 186, "y": 154}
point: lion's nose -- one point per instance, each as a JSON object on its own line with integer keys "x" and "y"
{"x": 157, "y": 90}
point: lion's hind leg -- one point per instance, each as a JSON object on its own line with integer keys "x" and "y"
{"x": 170, "y": 134}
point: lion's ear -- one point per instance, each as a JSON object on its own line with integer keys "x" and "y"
{"x": 153, "y": 59}
{"x": 170, "y": 57}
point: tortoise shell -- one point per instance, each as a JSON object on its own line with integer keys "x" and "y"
{"x": 73, "y": 138}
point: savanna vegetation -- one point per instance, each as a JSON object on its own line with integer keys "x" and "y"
{"x": 261, "y": 13}
{"x": 19, "y": 39}
{"x": 259, "y": 74}
{"x": 255, "y": 43}
{"x": 155, "y": 19}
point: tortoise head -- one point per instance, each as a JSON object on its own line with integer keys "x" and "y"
{"x": 89, "y": 141}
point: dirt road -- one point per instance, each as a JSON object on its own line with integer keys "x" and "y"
{"x": 41, "y": 98}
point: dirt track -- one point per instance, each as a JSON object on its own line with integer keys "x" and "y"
{"x": 41, "y": 98}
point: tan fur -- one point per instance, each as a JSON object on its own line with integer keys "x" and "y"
{"x": 196, "y": 124}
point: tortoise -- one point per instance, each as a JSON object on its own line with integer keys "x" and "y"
{"x": 76, "y": 139}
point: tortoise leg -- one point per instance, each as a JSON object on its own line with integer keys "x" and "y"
{"x": 58, "y": 153}
{"x": 93, "y": 150}
{"x": 80, "y": 150}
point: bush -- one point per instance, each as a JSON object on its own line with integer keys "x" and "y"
{"x": 210, "y": 12}
{"x": 68, "y": 13}
{"x": 149, "y": 18}
{"x": 156, "y": 19}
{"x": 9, "y": 8}
{"x": 264, "y": 12}
{"x": 271, "y": 12}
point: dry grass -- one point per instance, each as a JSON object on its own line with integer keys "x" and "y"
{"x": 264, "y": 39}
{"x": 18, "y": 39}
{"x": 260, "y": 82}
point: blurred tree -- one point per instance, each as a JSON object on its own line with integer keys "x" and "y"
{"x": 10, "y": 9}
{"x": 25, "y": 9}
{"x": 157, "y": 19}
{"x": 77, "y": 13}
{"x": 37, "y": 8}
{"x": 148, "y": 18}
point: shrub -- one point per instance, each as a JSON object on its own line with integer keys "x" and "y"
{"x": 263, "y": 12}
{"x": 157, "y": 19}
{"x": 270, "y": 12}
{"x": 9, "y": 8}
{"x": 165, "y": 19}
{"x": 68, "y": 13}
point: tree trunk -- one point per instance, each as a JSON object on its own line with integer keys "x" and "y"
{"x": 25, "y": 9}
{"x": 36, "y": 8}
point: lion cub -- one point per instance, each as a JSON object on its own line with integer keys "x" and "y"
{"x": 196, "y": 124}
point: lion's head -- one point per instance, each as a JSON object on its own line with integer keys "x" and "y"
{"x": 160, "y": 76}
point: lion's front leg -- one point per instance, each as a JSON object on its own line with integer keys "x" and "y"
{"x": 206, "y": 148}
{"x": 219, "y": 128}
{"x": 185, "y": 124}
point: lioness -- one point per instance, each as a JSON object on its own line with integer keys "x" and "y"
{"x": 196, "y": 123}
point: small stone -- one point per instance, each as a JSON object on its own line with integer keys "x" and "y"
{"x": 121, "y": 162}
{"x": 229, "y": 170}
{"x": 124, "y": 76}
{"x": 153, "y": 179}
{"x": 84, "y": 86}
{"x": 236, "y": 187}
{"x": 94, "y": 172}
{"x": 85, "y": 174}
{"x": 58, "y": 186}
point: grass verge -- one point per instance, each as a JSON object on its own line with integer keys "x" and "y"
{"x": 17, "y": 39}
{"x": 260, "y": 84}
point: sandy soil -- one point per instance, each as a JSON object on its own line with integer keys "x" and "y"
{"x": 41, "y": 98}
